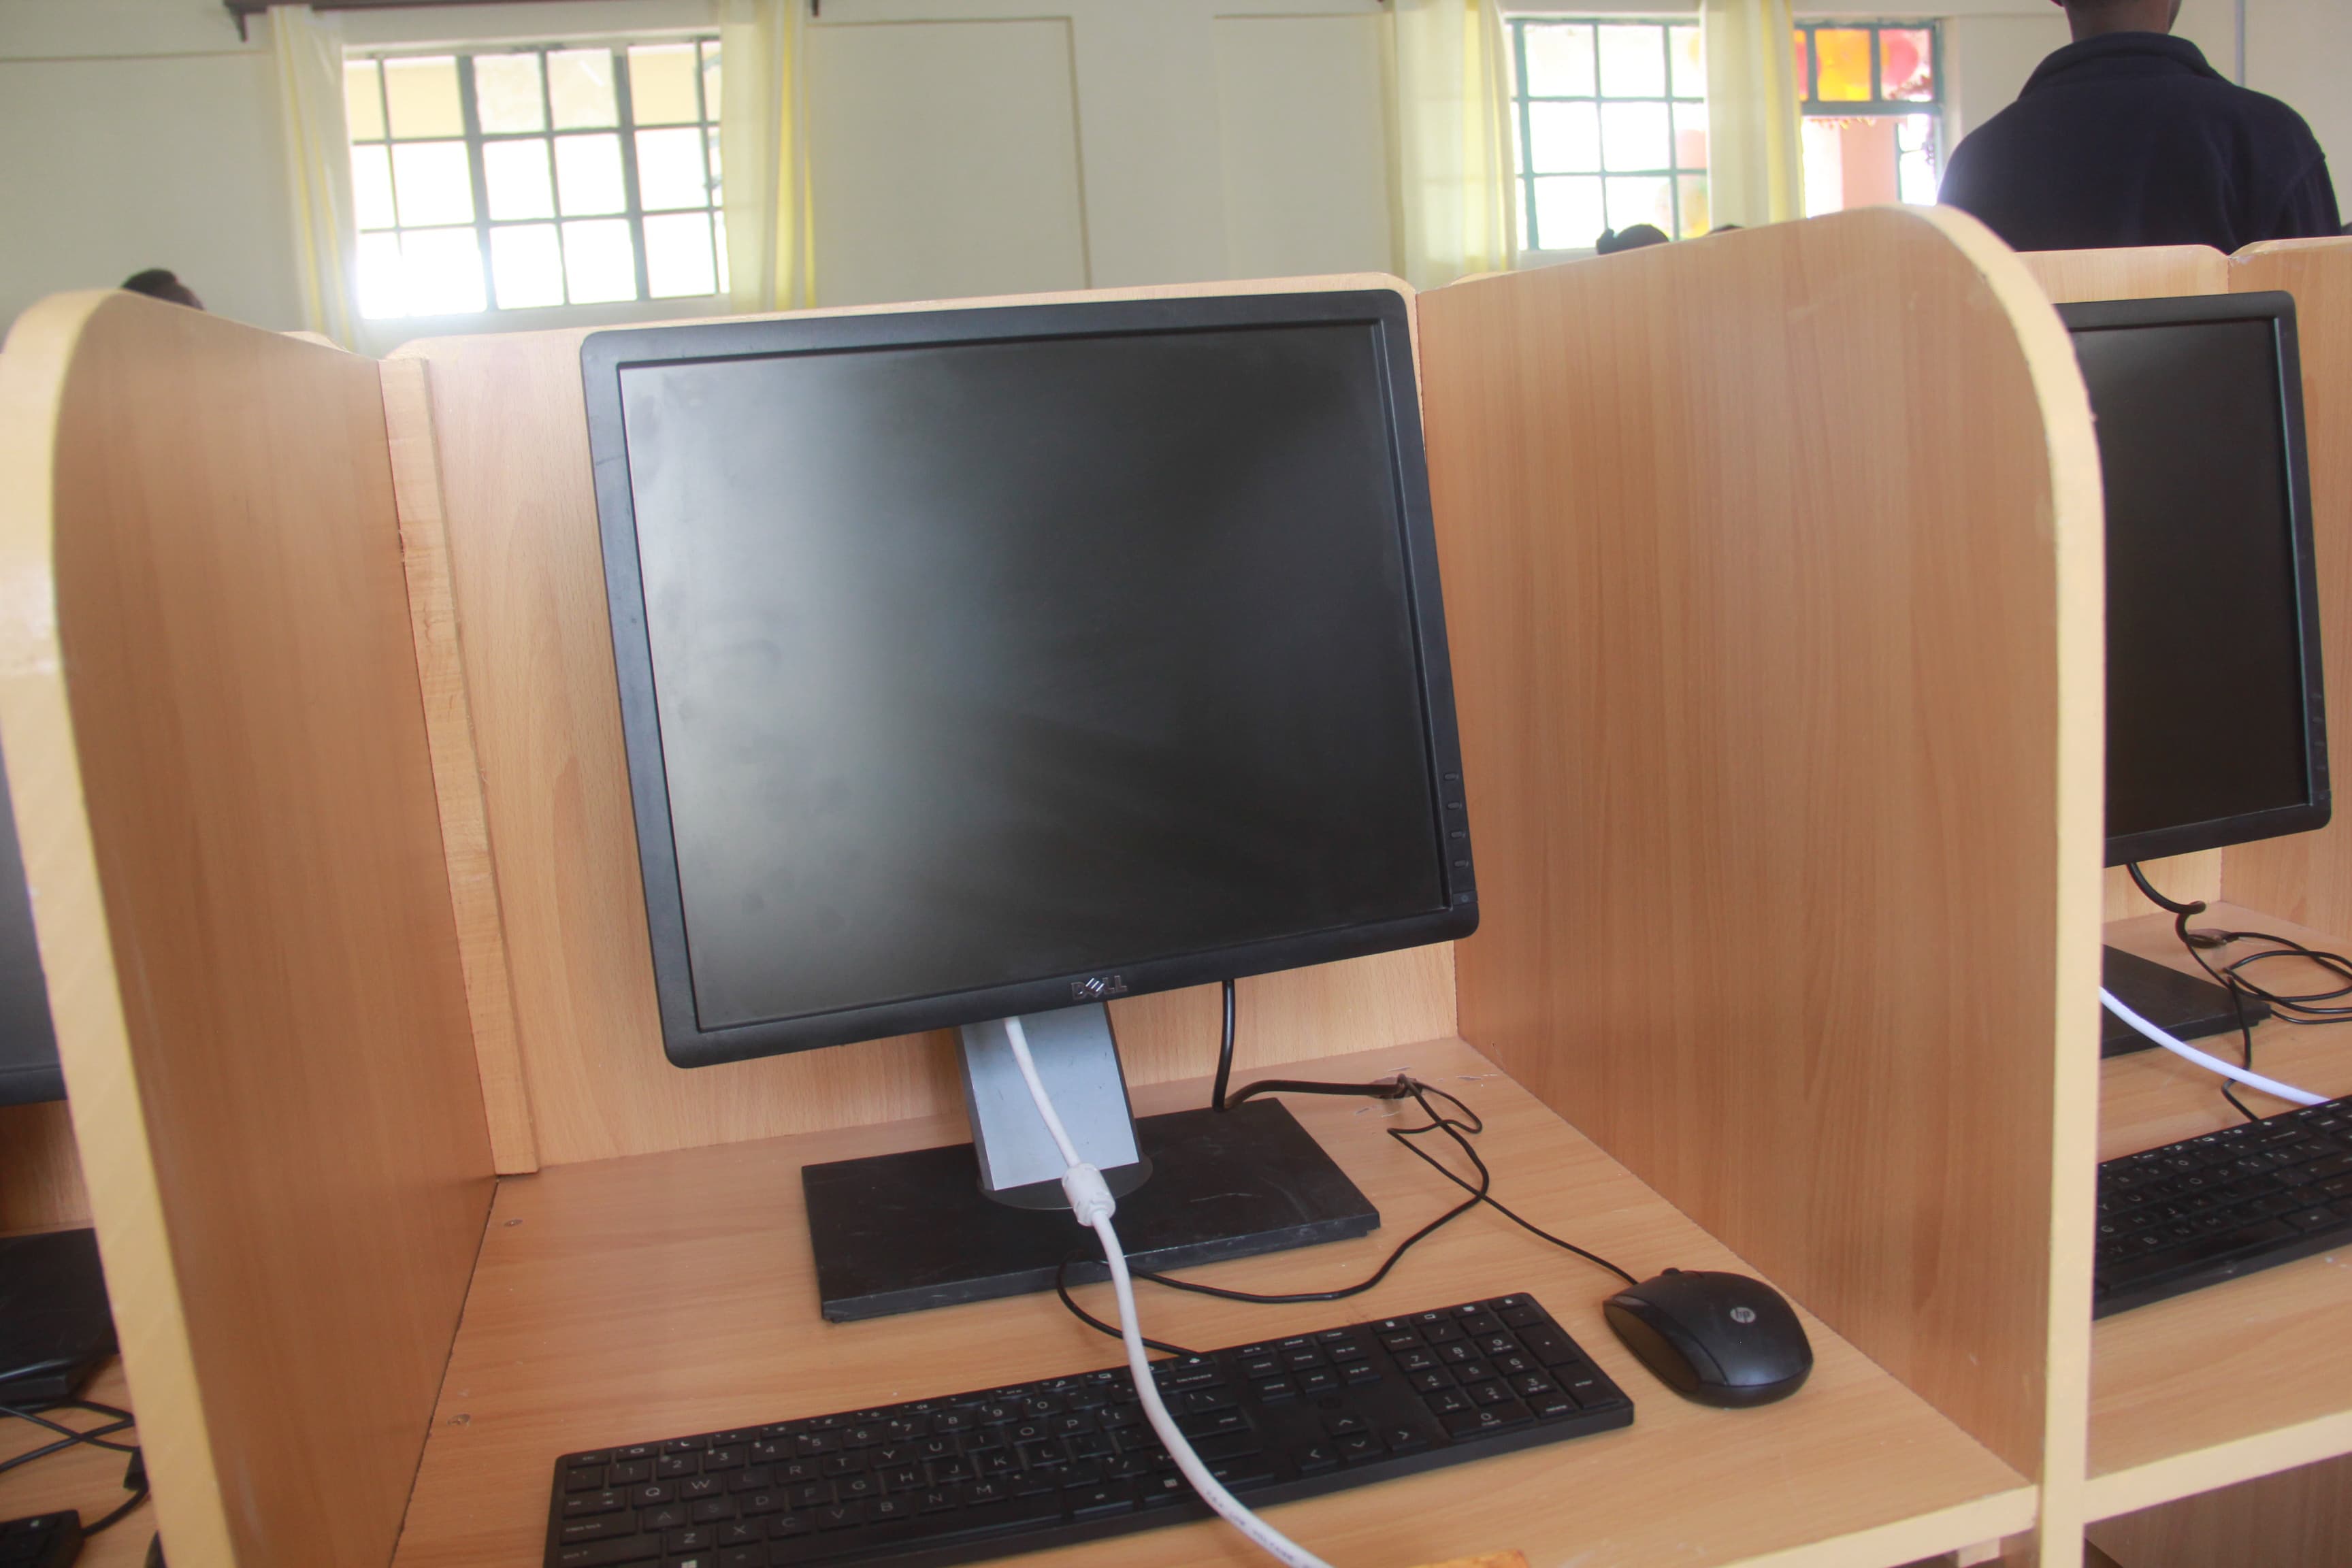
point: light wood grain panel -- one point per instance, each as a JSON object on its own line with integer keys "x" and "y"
{"x": 219, "y": 768}
{"x": 40, "y": 1172}
{"x": 632, "y": 1298}
{"x": 83, "y": 1477}
{"x": 2244, "y": 1377}
{"x": 2297, "y": 1518}
{"x": 456, "y": 772}
{"x": 2308, "y": 876}
{"x": 1784, "y": 710}
{"x": 2143, "y": 272}
{"x": 2147, "y": 272}
{"x": 511, "y": 435}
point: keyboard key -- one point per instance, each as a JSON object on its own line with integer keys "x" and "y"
{"x": 604, "y": 1554}
{"x": 1489, "y": 1418}
{"x": 1099, "y": 1501}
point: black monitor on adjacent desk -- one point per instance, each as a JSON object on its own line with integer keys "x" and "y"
{"x": 2216, "y": 724}
{"x": 993, "y": 662}
{"x": 28, "y": 1044}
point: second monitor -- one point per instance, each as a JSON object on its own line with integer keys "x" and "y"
{"x": 992, "y": 662}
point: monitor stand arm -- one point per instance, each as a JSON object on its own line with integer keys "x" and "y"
{"x": 1078, "y": 1061}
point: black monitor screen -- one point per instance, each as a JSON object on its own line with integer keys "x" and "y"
{"x": 28, "y": 1046}
{"x": 2213, "y": 732}
{"x": 983, "y": 663}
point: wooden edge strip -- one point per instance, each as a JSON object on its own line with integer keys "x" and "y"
{"x": 457, "y": 769}
{"x": 2224, "y": 1464}
{"x": 2078, "y": 519}
{"x": 1923, "y": 1536}
{"x": 77, "y": 949}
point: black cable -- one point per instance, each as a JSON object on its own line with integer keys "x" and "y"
{"x": 2225, "y": 977}
{"x": 1225, "y": 1056}
{"x": 111, "y": 1520}
{"x": 95, "y": 1436}
{"x": 1062, "y": 1289}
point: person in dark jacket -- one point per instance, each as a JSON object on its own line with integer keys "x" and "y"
{"x": 163, "y": 283}
{"x": 2127, "y": 137}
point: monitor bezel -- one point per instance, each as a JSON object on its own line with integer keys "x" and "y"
{"x": 2277, "y": 310}
{"x": 604, "y": 356}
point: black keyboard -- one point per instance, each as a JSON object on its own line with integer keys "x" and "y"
{"x": 2194, "y": 1212}
{"x": 1071, "y": 1458}
{"x": 43, "y": 1540}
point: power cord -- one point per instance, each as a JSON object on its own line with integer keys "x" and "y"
{"x": 1091, "y": 1202}
{"x": 134, "y": 1476}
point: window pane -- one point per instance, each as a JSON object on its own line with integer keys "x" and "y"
{"x": 1633, "y": 61}
{"x": 1560, "y": 60}
{"x": 677, "y": 256}
{"x": 516, "y": 173}
{"x": 1568, "y": 213}
{"x": 1690, "y": 64}
{"x": 661, "y": 84}
{"x": 371, "y": 187}
{"x": 712, "y": 77}
{"x": 717, "y": 182}
{"x": 1696, "y": 218}
{"x": 599, "y": 263}
{"x": 423, "y": 96}
{"x": 1845, "y": 64}
{"x": 506, "y": 93}
{"x": 379, "y": 290}
{"x": 1642, "y": 199}
{"x": 670, "y": 169}
{"x": 526, "y": 263}
{"x": 435, "y": 182}
{"x": 1567, "y": 137}
{"x": 362, "y": 105}
{"x": 588, "y": 174}
{"x": 719, "y": 244}
{"x": 444, "y": 268}
{"x": 580, "y": 87}
{"x": 1916, "y": 160}
{"x": 1906, "y": 64}
{"x": 1690, "y": 135}
{"x": 1633, "y": 136}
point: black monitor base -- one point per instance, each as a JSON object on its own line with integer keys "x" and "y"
{"x": 899, "y": 1233}
{"x": 55, "y": 1324}
{"x": 2182, "y": 1005}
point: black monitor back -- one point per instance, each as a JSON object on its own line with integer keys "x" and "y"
{"x": 28, "y": 1046}
{"x": 2216, "y": 729}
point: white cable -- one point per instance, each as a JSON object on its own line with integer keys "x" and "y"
{"x": 2269, "y": 1086}
{"x": 1091, "y": 1202}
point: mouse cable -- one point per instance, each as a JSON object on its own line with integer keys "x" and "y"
{"x": 1092, "y": 1203}
{"x": 68, "y": 1437}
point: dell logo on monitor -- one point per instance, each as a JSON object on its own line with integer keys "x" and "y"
{"x": 1096, "y": 989}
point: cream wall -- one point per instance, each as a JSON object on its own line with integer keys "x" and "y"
{"x": 962, "y": 146}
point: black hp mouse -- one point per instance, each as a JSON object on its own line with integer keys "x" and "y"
{"x": 1720, "y": 1339}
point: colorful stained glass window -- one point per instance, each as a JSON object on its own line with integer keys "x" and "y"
{"x": 514, "y": 178}
{"x": 1610, "y": 120}
{"x": 1873, "y": 127}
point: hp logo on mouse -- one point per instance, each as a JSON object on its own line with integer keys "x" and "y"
{"x": 1743, "y": 1315}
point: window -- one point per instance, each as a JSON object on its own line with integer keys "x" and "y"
{"x": 1610, "y": 123}
{"x": 1872, "y": 112}
{"x": 514, "y": 178}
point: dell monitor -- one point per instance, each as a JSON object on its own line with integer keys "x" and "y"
{"x": 999, "y": 662}
{"x": 2216, "y": 726}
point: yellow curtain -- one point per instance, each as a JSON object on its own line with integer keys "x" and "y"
{"x": 1450, "y": 175}
{"x": 307, "y": 59}
{"x": 1755, "y": 161}
{"x": 763, "y": 157}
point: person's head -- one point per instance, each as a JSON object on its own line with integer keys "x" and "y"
{"x": 161, "y": 283}
{"x": 2089, "y": 18}
{"x": 1633, "y": 237}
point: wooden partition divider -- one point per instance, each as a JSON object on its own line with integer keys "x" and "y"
{"x": 1776, "y": 640}
{"x": 217, "y": 762}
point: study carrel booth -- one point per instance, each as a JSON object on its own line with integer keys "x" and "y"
{"x": 316, "y": 758}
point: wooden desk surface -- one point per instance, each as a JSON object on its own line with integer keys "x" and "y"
{"x": 641, "y": 1298}
{"x": 80, "y": 1478}
{"x": 2238, "y": 1379}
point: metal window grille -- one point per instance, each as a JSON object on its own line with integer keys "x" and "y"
{"x": 1609, "y": 119}
{"x": 533, "y": 175}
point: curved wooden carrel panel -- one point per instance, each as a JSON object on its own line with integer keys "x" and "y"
{"x": 217, "y": 754}
{"x": 1772, "y": 566}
